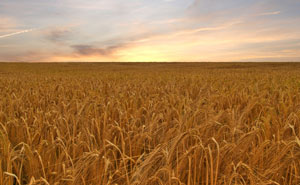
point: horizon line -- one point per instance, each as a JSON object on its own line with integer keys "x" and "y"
{"x": 28, "y": 62}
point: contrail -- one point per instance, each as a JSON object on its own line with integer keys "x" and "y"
{"x": 16, "y": 33}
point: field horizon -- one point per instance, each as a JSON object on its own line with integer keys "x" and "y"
{"x": 150, "y": 123}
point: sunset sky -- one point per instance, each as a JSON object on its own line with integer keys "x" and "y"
{"x": 149, "y": 30}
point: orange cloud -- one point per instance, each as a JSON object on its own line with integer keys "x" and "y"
{"x": 7, "y": 25}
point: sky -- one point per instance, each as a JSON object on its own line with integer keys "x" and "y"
{"x": 149, "y": 30}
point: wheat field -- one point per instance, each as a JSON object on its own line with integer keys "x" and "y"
{"x": 151, "y": 123}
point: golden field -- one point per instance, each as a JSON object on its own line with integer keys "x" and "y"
{"x": 174, "y": 123}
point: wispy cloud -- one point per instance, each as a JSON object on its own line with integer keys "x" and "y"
{"x": 185, "y": 32}
{"x": 194, "y": 4}
{"x": 91, "y": 50}
{"x": 58, "y": 34}
{"x": 270, "y": 13}
{"x": 16, "y": 33}
{"x": 202, "y": 29}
